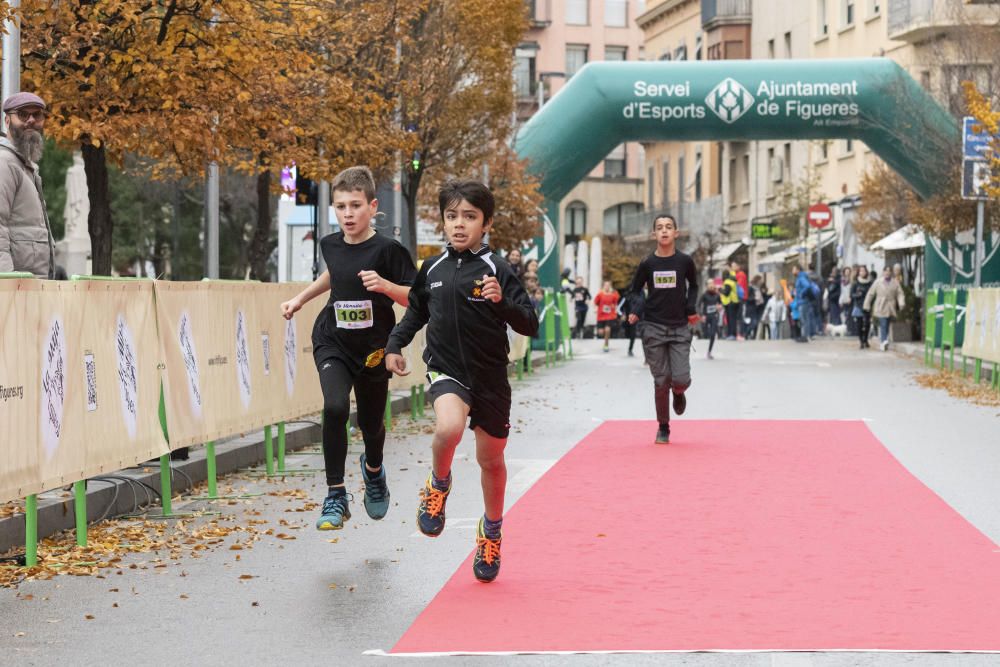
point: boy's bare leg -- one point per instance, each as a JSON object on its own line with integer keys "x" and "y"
{"x": 451, "y": 414}
{"x": 489, "y": 454}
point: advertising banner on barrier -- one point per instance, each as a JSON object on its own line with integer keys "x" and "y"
{"x": 982, "y": 325}
{"x": 288, "y": 371}
{"x": 19, "y": 390}
{"x": 119, "y": 374}
{"x": 79, "y": 381}
{"x": 518, "y": 345}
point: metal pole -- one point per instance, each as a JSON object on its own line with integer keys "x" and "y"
{"x": 31, "y": 530}
{"x": 11, "y": 55}
{"x": 980, "y": 206}
{"x": 212, "y": 221}
{"x": 281, "y": 446}
{"x": 210, "y": 469}
{"x": 80, "y": 510}
{"x": 166, "y": 494}
{"x": 819, "y": 256}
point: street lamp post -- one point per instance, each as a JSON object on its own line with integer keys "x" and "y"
{"x": 11, "y": 54}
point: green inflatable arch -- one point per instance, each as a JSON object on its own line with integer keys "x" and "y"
{"x": 872, "y": 100}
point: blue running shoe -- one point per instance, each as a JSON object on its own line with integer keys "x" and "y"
{"x": 486, "y": 563}
{"x": 376, "y": 492}
{"x": 430, "y": 512}
{"x": 335, "y": 512}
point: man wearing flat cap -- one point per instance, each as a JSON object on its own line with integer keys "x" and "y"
{"x": 25, "y": 236}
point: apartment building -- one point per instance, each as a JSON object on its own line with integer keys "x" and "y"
{"x": 690, "y": 180}
{"x": 564, "y": 36}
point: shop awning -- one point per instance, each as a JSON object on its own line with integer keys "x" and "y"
{"x": 720, "y": 258}
{"x": 905, "y": 238}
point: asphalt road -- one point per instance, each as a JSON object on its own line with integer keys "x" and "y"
{"x": 309, "y": 601}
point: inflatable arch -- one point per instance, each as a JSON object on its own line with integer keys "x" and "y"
{"x": 872, "y": 100}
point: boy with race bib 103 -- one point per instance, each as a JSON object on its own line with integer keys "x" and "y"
{"x": 366, "y": 273}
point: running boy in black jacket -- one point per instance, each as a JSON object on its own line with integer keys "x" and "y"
{"x": 466, "y": 297}
{"x": 667, "y": 310}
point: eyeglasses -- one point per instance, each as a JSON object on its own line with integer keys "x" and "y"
{"x": 25, "y": 116}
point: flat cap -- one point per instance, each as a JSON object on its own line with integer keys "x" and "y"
{"x": 18, "y": 100}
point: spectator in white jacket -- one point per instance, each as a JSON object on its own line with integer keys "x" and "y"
{"x": 774, "y": 314}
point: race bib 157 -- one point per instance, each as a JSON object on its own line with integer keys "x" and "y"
{"x": 664, "y": 279}
{"x": 353, "y": 314}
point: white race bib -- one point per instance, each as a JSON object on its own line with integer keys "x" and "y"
{"x": 664, "y": 279}
{"x": 353, "y": 314}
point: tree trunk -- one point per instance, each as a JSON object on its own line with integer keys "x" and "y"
{"x": 261, "y": 244}
{"x": 99, "y": 223}
{"x": 411, "y": 187}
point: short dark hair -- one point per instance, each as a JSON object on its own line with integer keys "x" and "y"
{"x": 666, "y": 216}
{"x": 355, "y": 178}
{"x": 473, "y": 192}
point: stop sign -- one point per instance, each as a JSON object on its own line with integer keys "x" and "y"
{"x": 819, "y": 216}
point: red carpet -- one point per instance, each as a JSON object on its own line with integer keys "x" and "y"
{"x": 745, "y": 535}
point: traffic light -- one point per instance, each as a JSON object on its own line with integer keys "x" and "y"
{"x": 415, "y": 163}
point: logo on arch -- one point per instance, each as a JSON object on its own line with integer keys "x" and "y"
{"x": 729, "y": 100}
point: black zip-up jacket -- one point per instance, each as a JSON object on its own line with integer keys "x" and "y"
{"x": 466, "y": 334}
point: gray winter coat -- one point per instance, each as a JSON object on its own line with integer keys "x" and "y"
{"x": 25, "y": 236}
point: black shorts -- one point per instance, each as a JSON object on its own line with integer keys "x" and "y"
{"x": 489, "y": 409}
{"x": 609, "y": 323}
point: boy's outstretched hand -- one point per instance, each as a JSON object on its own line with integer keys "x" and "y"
{"x": 395, "y": 363}
{"x": 693, "y": 320}
{"x": 633, "y": 318}
{"x": 491, "y": 289}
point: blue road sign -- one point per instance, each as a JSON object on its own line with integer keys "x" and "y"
{"x": 974, "y": 144}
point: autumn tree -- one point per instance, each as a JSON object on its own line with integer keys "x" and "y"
{"x": 250, "y": 84}
{"x": 457, "y": 98}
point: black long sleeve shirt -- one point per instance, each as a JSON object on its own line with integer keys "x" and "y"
{"x": 466, "y": 334}
{"x": 671, "y": 285}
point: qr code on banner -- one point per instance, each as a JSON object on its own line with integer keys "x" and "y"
{"x": 90, "y": 372}
{"x": 265, "y": 340}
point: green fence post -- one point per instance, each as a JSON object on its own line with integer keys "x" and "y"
{"x": 423, "y": 400}
{"x": 930, "y": 326}
{"x": 388, "y": 412}
{"x": 281, "y": 446}
{"x": 31, "y": 530}
{"x": 268, "y": 451}
{"x": 211, "y": 472}
{"x": 977, "y": 370}
{"x": 80, "y": 510}
{"x": 166, "y": 494}
{"x": 550, "y": 327}
{"x": 949, "y": 325}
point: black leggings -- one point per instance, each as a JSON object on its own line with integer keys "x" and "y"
{"x": 371, "y": 392}
{"x": 864, "y": 324}
{"x": 711, "y": 330}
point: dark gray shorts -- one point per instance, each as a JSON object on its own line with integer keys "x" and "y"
{"x": 668, "y": 352}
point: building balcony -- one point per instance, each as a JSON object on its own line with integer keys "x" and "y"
{"x": 716, "y": 13}
{"x": 539, "y": 13}
{"x": 919, "y": 20}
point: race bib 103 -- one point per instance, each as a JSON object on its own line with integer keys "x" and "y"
{"x": 353, "y": 314}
